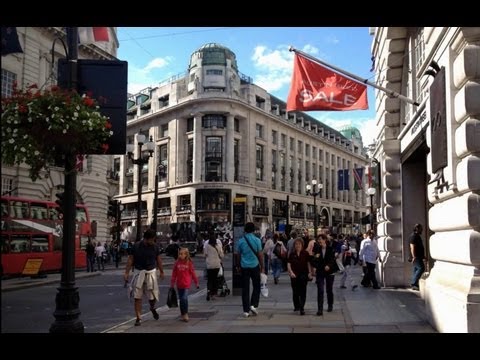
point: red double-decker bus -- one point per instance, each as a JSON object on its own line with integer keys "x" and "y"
{"x": 33, "y": 229}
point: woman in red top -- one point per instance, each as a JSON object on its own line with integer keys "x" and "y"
{"x": 183, "y": 273}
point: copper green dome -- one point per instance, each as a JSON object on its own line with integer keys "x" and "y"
{"x": 213, "y": 54}
{"x": 351, "y": 132}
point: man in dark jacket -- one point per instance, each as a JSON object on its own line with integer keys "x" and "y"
{"x": 323, "y": 261}
{"x": 417, "y": 252}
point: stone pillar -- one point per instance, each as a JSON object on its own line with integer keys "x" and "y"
{"x": 197, "y": 148}
{"x": 452, "y": 291}
{"x": 228, "y": 159}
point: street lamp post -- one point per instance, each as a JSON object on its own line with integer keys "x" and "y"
{"x": 312, "y": 190}
{"x": 141, "y": 160}
{"x": 371, "y": 191}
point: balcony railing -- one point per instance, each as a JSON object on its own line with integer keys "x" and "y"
{"x": 165, "y": 211}
{"x": 184, "y": 209}
{"x": 260, "y": 211}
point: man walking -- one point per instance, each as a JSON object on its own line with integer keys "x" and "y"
{"x": 249, "y": 260}
{"x": 145, "y": 257}
{"x": 417, "y": 252}
{"x": 369, "y": 255}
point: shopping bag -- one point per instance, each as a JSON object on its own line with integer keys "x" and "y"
{"x": 220, "y": 271}
{"x": 172, "y": 298}
{"x": 263, "y": 285}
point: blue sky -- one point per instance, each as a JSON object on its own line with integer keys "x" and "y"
{"x": 155, "y": 54}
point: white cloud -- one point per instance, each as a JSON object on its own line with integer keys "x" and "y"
{"x": 368, "y": 129}
{"x": 275, "y": 66}
{"x": 332, "y": 39}
{"x": 142, "y": 77}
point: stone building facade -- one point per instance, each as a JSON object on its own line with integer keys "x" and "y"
{"x": 34, "y": 66}
{"x": 430, "y": 165}
{"x": 218, "y": 137}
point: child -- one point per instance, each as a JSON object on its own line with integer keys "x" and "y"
{"x": 183, "y": 273}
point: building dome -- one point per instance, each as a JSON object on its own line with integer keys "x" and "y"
{"x": 351, "y": 132}
{"x": 213, "y": 54}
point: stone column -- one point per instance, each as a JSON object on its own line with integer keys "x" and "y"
{"x": 197, "y": 148}
{"x": 228, "y": 159}
{"x": 452, "y": 291}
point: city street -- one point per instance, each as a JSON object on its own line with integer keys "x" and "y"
{"x": 103, "y": 301}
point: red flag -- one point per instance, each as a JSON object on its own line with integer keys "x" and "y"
{"x": 89, "y": 35}
{"x": 315, "y": 87}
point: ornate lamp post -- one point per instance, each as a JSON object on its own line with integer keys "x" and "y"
{"x": 371, "y": 192}
{"x": 142, "y": 159}
{"x": 312, "y": 190}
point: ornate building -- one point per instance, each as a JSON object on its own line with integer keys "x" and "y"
{"x": 34, "y": 66}
{"x": 430, "y": 165}
{"x": 218, "y": 137}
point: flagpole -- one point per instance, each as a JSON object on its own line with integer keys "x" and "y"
{"x": 391, "y": 93}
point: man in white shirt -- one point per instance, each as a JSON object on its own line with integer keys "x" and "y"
{"x": 369, "y": 255}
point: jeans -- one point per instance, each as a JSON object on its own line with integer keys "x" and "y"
{"x": 299, "y": 290}
{"x": 321, "y": 280}
{"x": 212, "y": 281}
{"x": 247, "y": 274}
{"x": 277, "y": 267}
{"x": 183, "y": 298}
{"x": 418, "y": 269}
{"x": 90, "y": 263}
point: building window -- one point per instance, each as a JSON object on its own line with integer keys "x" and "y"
{"x": 214, "y": 72}
{"x": 259, "y": 163}
{"x": 8, "y": 78}
{"x": 7, "y": 185}
{"x": 320, "y": 155}
{"x": 274, "y": 137}
{"x": 164, "y": 130}
{"x": 292, "y": 144}
{"x": 300, "y": 147}
{"x": 307, "y": 150}
{"x": 283, "y": 141}
{"x": 215, "y": 121}
{"x": 259, "y": 131}
{"x": 190, "y": 124}
{"x": 163, "y": 162}
{"x": 260, "y": 102}
{"x": 213, "y": 159}
{"x": 190, "y": 160}
{"x": 236, "y": 125}
{"x": 314, "y": 152}
{"x": 129, "y": 181}
{"x": 163, "y": 101}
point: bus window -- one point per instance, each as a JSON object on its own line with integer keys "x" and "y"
{"x": 53, "y": 213}
{"x": 83, "y": 242}
{"x": 4, "y": 244}
{"x": 57, "y": 243}
{"x": 36, "y": 210}
{"x": 39, "y": 243}
{"x": 81, "y": 215}
{"x": 19, "y": 210}
{"x": 19, "y": 243}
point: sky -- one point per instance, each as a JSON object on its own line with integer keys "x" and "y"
{"x": 155, "y": 54}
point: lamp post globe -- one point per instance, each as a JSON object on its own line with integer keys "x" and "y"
{"x": 371, "y": 192}
{"x": 314, "y": 190}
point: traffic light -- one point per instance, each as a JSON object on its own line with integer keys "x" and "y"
{"x": 112, "y": 209}
{"x": 60, "y": 202}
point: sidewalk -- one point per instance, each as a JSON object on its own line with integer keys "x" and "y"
{"x": 364, "y": 310}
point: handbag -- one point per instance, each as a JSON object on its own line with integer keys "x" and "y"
{"x": 220, "y": 271}
{"x": 172, "y": 298}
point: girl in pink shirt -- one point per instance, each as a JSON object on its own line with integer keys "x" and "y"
{"x": 183, "y": 273}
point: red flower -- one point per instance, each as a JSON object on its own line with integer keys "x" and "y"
{"x": 89, "y": 102}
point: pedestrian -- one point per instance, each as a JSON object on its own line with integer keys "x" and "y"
{"x": 90, "y": 250}
{"x": 300, "y": 270}
{"x": 369, "y": 255}
{"x": 145, "y": 257}
{"x": 213, "y": 259}
{"x": 249, "y": 262}
{"x": 323, "y": 262}
{"x": 417, "y": 252}
{"x": 277, "y": 253}
{"x": 346, "y": 256}
{"x": 182, "y": 275}
{"x": 99, "y": 250}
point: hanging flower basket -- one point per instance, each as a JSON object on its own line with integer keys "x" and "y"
{"x": 38, "y": 125}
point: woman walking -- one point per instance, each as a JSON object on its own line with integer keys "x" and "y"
{"x": 213, "y": 258}
{"x": 299, "y": 269}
